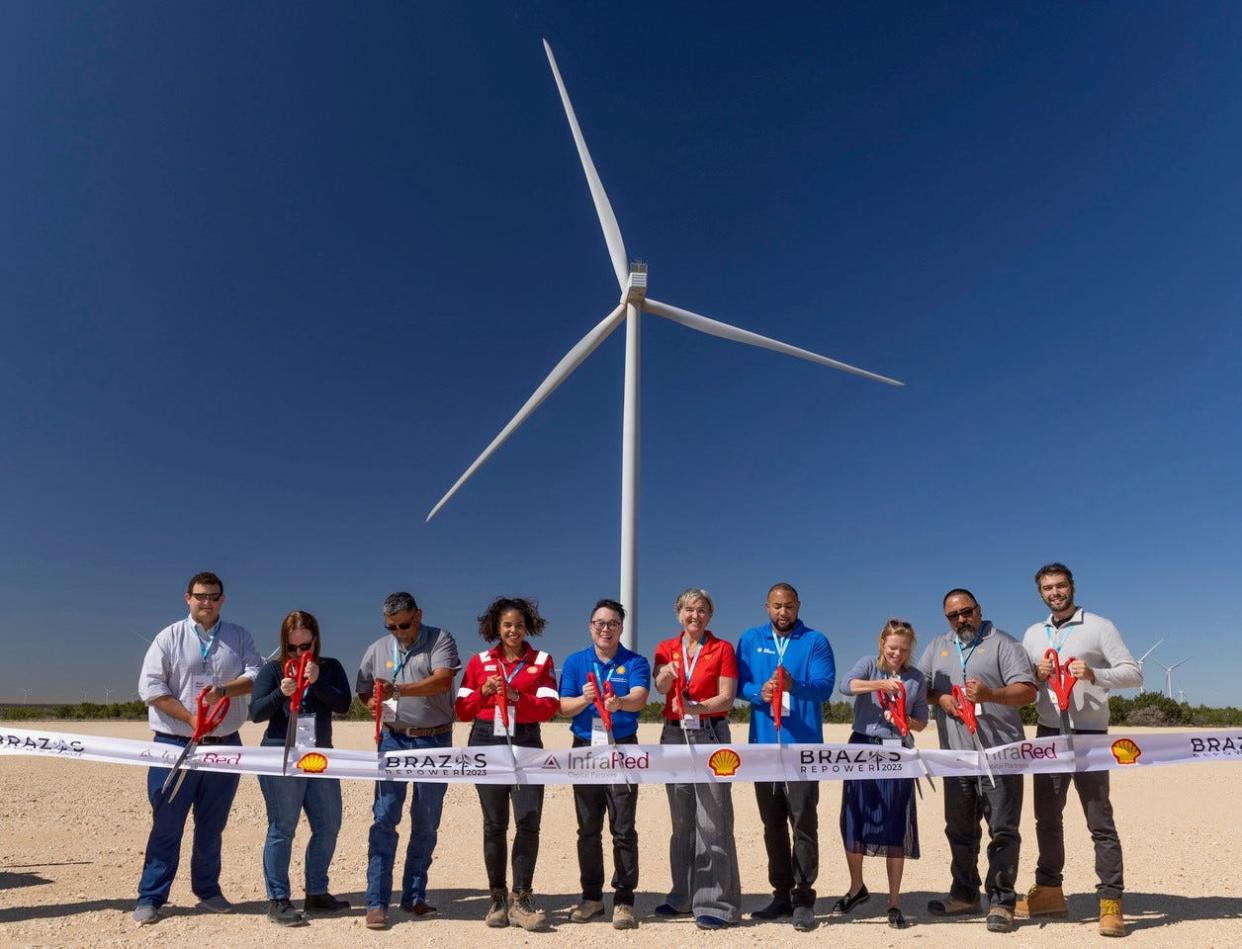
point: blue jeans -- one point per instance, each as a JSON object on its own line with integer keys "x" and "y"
{"x": 211, "y": 796}
{"x": 286, "y": 798}
{"x": 427, "y": 802}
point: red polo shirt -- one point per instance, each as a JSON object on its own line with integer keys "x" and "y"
{"x": 716, "y": 660}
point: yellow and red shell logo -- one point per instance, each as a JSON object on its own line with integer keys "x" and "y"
{"x": 1125, "y": 751}
{"x": 313, "y": 762}
{"x": 724, "y": 763}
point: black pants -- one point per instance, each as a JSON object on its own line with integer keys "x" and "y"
{"x": 967, "y": 801}
{"x": 1051, "y": 791}
{"x": 791, "y": 869}
{"x": 527, "y": 803}
{"x": 620, "y": 803}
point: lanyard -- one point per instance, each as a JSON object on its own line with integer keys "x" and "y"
{"x": 599, "y": 673}
{"x": 781, "y": 643}
{"x": 1063, "y": 634}
{"x": 964, "y": 658}
{"x": 518, "y": 666}
{"x": 685, "y": 651}
{"x": 397, "y": 667}
{"x": 206, "y": 649}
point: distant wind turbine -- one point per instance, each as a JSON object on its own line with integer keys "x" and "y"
{"x": 1168, "y": 675}
{"x": 632, "y": 280}
{"x": 1142, "y": 658}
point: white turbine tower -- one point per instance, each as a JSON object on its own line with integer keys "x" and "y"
{"x": 632, "y": 280}
{"x": 1168, "y": 675}
{"x": 1142, "y": 659}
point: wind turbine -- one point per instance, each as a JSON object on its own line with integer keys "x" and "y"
{"x": 1168, "y": 675}
{"x": 1142, "y": 658}
{"x": 632, "y": 281}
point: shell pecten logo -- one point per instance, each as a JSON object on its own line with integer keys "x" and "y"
{"x": 724, "y": 763}
{"x": 1125, "y": 751}
{"x": 313, "y": 762}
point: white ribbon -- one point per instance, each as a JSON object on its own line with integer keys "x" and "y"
{"x": 650, "y": 764}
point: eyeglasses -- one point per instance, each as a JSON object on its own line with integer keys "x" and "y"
{"x": 599, "y": 625}
{"x": 393, "y": 627}
{"x": 301, "y": 647}
{"x": 206, "y": 597}
{"x": 960, "y": 614}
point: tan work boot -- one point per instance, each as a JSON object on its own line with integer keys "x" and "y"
{"x": 1112, "y": 923}
{"x": 623, "y": 916}
{"x": 523, "y": 912}
{"x": 1041, "y": 901}
{"x": 498, "y": 912}
{"x": 586, "y": 911}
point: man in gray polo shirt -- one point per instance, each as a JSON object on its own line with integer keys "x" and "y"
{"x": 1101, "y": 662}
{"x": 997, "y": 676}
{"x": 415, "y": 665}
{"x": 195, "y": 653}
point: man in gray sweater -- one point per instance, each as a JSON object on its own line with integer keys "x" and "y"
{"x": 1101, "y": 663}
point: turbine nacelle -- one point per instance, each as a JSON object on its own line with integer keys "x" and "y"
{"x": 635, "y": 290}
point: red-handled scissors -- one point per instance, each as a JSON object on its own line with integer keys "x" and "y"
{"x": 1062, "y": 684}
{"x": 778, "y": 701}
{"x": 295, "y": 669}
{"x": 206, "y": 720}
{"x": 677, "y": 698}
{"x": 966, "y": 712}
{"x": 378, "y": 701}
{"x": 602, "y": 694}
{"x": 895, "y": 704}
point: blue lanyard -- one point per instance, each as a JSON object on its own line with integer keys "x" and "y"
{"x": 685, "y": 652}
{"x": 510, "y": 676}
{"x": 599, "y": 673}
{"x": 1060, "y": 640}
{"x": 780, "y": 643}
{"x": 396, "y": 670}
{"x": 964, "y": 658}
{"x": 206, "y": 649}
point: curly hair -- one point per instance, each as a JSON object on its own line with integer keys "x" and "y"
{"x": 489, "y": 622}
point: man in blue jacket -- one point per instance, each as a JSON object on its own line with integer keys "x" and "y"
{"x": 786, "y": 657}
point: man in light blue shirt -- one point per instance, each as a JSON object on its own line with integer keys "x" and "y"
{"x": 787, "y": 658}
{"x": 196, "y": 653}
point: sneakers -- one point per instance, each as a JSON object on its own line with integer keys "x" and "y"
{"x": 147, "y": 914}
{"x": 586, "y": 911}
{"x": 952, "y": 906}
{"x": 377, "y": 917}
{"x": 774, "y": 910}
{"x": 804, "y": 919}
{"x": 1112, "y": 923}
{"x": 498, "y": 912}
{"x": 709, "y": 922}
{"x": 215, "y": 904}
{"x": 523, "y": 912}
{"x": 283, "y": 913}
{"x": 1000, "y": 919}
{"x": 1041, "y": 901}
{"x": 623, "y": 916}
{"x": 324, "y": 904}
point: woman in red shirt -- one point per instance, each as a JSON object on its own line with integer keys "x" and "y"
{"x": 525, "y": 681}
{"x": 698, "y": 673}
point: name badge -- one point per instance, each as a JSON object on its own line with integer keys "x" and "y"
{"x": 498, "y": 727}
{"x": 786, "y": 708}
{"x": 599, "y": 734}
{"x": 306, "y": 730}
{"x": 690, "y": 723}
{"x": 1052, "y": 694}
{"x": 978, "y": 709}
{"x": 891, "y": 743}
{"x": 197, "y": 684}
{"x": 389, "y": 712}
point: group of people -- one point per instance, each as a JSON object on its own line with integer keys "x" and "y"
{"x": 783, "y": 670}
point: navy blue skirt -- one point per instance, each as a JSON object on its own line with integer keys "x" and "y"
{"x": 878, "y": 818}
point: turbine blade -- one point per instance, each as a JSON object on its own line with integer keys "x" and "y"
{"x": 563, "y": 369}
{"x": 607, "y": 220}
{"x": 725, "y": 331}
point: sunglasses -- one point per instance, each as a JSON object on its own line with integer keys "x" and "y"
{"x": 392, "y": 628}
{"x": 301, "y": 647}
{"x": 960, "y": 614}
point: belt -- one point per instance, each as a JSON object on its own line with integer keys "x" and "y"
{"x": 206, "y": 740}
{"x": 415, "y": 731}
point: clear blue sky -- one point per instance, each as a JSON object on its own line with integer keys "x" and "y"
{"x": 272, "y": 275}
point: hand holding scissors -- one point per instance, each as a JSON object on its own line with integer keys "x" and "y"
{"x": 892, "y": 698}
{"x": 377, "y": 704}
{"x": 1062, "y": 683}
{"x": 206, "y": 719}
{"x": 295, "y": 670}
{"x": 966, "y": 712}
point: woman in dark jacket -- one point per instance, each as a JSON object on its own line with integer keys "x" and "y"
{"x": 327, "y": 691}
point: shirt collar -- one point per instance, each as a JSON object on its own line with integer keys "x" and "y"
{"x": 203, "y": 634}
{"x": 1074, "y": 620}
{"x": 497, "y": 653}
{"x": 795, "y": 630}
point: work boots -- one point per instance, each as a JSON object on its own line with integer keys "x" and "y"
{"x": 523, "y": 912}
{"x": 1112, "y": 923}
{"x": 1041, "y": 901}
{"x": 498, "y": 912}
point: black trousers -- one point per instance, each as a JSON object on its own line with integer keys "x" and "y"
{"x": 496, "y": 799}
{"x": 967, "y": 801}
{"x": 792, "y": 869}
{"x": 1051, "y": 791}
{"x": 620, "y": 803}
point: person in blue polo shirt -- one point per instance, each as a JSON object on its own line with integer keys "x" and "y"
{"x": 786, "y": 654}
{"x": 624, "y": 677}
